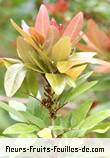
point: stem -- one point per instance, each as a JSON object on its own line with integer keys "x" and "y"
{"x": 48, "y": 100}
{"x": 52, "y": 122}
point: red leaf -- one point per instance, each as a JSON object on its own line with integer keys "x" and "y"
{"x": 42, "y": 21}
{"x": 97, "y": 36}
{"x": 84, "y": 47}
{"x": 74, "y": 27}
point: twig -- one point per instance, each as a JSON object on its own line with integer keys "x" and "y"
{"x": 34, "y": 97}
{"x": 59, "y": 108}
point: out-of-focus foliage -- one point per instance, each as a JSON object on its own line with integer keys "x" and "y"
{"x": 16, "y": 9}
{"x": 96, "y": 9}
{"x": 99, "y": 10}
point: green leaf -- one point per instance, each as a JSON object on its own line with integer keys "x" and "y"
{"x": 33, "y": 68}
{"x": 90, "y": 124}
{"x": 28, "y": 54}
{"x": 27, "y": 135}
{"x": 57, "y": 130}
{"x": 75, "y": 133}
{"x": 12, "y": 110}
{"x": 9, "y": 61}
{"x": 61, "y": 49}
{"x": 32, "y": 83}
{"x": 57, "y": 82}
{"x": 18, "y": 106}
{"x": 101, "y": 128}
{"x": 80, "y": 113}
{"x": 64, "y": 121}
{"x": 14, "y": 78}
{"x": 69, "y": 95}
{"x": 24, "y": 50}
{"x": 5, "y": 120}
{"x": 70, "y": 81}
{"x": 103, "y": 85}
{"x": 20, "y": 128}
{"x": 37, "y": 110}
{"x": 32, "y": 105}
{"x": 83, "y": 78}
{"x": 33, "y": 119}
{"x": 94, "y": 119}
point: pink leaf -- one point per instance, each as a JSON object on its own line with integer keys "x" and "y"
{"x": 92, "y": 33}
{"x": 42, "y": 21}
{"x": 74, "y": 27}
{"x": 52, "y": 37}
{"x": 97, "y": 37}
{"x": 84, "y": 47}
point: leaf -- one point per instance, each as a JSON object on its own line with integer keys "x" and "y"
{"x": 76, "y": 71}
{"x": 14, "y": 78}
{"x": 62, "y": 49}
{"x": 57, "y": 82}
{"x": 33, "y": 68}
{"x": 75, "y": 133}
{"x": 84, "y": 47}
{"x": 37, "y": 110}
{"x": 70, "y": 81}
{"x": 5, "y": 120}
{"x": 25, "y": 51}
{"x": 12, "y": 110}
{"x": 69, "y": 95}
{"x": 27, "y": 135}
{"x": 28, "y": 54}
{"x": 86, "y": 54}
{"x": 52, "y": 38}
{"x": 63, "y": 121}
{"x": 97, "y": 36}
{"x": 23, "y": 33}
{"x": 37, "y": 37}
{"x": 20, "y": 128}
{"x": 103, "y": 85}
{"x": 90, "y": 124}
{"x": 33, "y": 119}
{"x": 101, "y": 128}
{"x": 45, "y": 133}
{"x": 94, "y": 119}
{"x": 9, "y": 61}
{"x": 91, "y": 61}
{"x": 1, "y": 61}
{"x": 73, "y": 28}
{"x": 18, "y": 106}
{"x": 32, "y": 83}
{"x": 80, "y": 113}
{"x": 42, "y": 21}
{"x": 32, "y": 105}
{"x": 29, "y": 40}
{"x": 83, "y": 78}
{"x": 24, "y": 26}
{"x": 63, "y": 66}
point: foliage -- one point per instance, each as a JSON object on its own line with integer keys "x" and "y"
{"x": 55, "y": 73}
